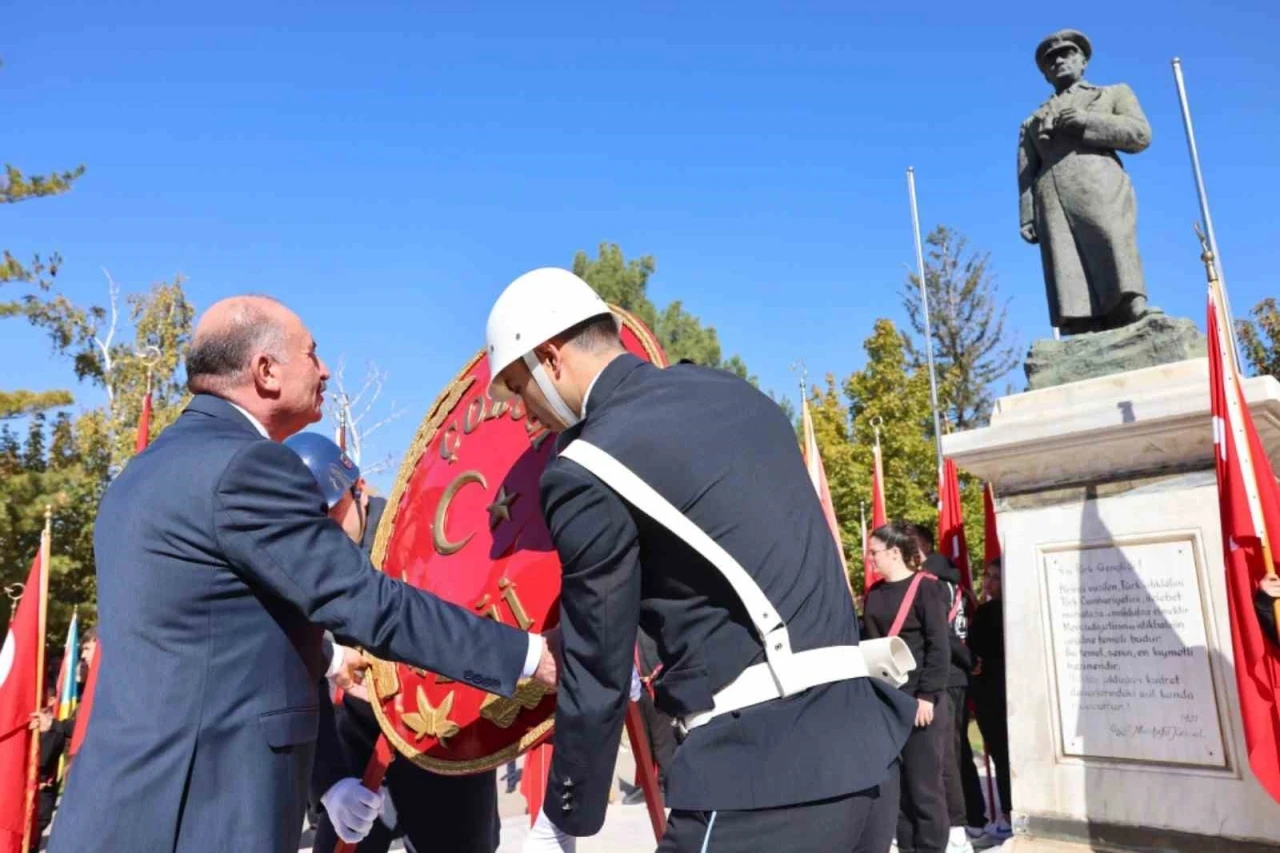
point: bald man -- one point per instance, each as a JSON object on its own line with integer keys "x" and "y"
{"x": 218, "y": 570}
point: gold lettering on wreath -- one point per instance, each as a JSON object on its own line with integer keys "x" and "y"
{"x": 502, "y": 712}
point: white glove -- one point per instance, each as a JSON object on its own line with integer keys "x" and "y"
{"x": 635, "y": 685}
{"x": 546, "y": 837}
{"x": 352, "y": 808}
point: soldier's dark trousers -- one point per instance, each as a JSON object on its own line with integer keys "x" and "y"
{"x": 853, "y": 822}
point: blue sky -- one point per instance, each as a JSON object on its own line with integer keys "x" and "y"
{"x": 386, "y": 169}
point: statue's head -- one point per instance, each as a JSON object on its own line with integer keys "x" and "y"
{"x": 1063, "y": 56}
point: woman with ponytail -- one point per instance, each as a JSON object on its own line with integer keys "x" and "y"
{"x": 912, "y": 605}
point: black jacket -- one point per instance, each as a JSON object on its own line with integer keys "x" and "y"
{"x": 961, "y": 659}
{"x": 986, "y": 640}
{"x": 924, "y": 630}
{"x": 1265, "y": 605}
{"x": 726, "y": 456}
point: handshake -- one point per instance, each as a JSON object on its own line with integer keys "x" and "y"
{"x": 348, "y": 667}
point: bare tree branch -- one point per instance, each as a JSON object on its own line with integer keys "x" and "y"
{"x": 113, "y": 291}
{"x": 351, "y": 411}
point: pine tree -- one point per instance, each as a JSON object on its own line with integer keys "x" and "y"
{"x": 971, "y": 347}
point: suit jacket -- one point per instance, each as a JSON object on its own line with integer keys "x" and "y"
{"x": 217, "y": 572}
{"x": 726, "y": 456}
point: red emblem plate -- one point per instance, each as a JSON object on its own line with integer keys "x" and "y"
{"x": 464, "y": 522}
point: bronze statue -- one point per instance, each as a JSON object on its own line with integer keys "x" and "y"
{"x": 1076, "y": 200}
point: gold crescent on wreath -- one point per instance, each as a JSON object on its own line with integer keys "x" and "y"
{"x": 439, "y": 537}
{"x": 386, "y": 680}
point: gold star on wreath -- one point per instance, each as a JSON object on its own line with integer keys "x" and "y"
{"x": 500, "y": 509}
{"x": 429, "y": 721}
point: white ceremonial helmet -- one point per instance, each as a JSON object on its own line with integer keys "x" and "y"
{"x": 532, "y": 310}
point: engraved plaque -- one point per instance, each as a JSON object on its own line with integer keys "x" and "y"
{"x": 1130, "y": 655}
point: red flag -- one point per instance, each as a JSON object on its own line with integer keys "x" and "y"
{"x": 818, "y": 474}
{"x": 878, "y": 515}
{"x": 144, "y": 423}
{"x": 991, "y": 536}
{"x": 21, "y": 692}
{"x": 86, "y": 702}
{"x": 951, "y": 541}
{"x": 533, "y": 781}
{"x": 1249, "y": 503}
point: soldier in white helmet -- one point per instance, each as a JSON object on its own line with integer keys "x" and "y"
{"x": 678, "y": 500}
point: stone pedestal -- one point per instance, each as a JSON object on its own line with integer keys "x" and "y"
{"x": 1124, "y": 722}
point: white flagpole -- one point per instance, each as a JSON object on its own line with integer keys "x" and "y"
{"x": 924, "y": 306}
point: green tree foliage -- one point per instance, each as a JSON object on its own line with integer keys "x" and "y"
{"x": 888, "y": 394}
{"x": 67, "y": 464}
{"x": 1260, "y": 338}
{"x": 625, "y": 284}
{"x": 37, "y": 276}
{"x": 971, "y": 347}
{"x": 891, "y": 395}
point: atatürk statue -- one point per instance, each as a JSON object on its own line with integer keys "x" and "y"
{"x": 1076, "y": 199}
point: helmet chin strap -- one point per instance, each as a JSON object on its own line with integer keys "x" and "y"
{"x": 554, "y": 400}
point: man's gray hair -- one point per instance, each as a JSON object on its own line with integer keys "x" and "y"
{"x": 219, "y": 359}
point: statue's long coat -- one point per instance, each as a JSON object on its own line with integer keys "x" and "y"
{"x": 1074, "y": 189}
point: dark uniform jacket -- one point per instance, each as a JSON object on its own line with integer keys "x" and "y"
{"x": 726, "y": 456}
{"x": 217, "y": 572}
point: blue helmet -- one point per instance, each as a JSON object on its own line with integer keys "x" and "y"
{"x": 333, "y": 469}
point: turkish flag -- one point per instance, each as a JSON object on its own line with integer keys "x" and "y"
{"x": 991, "y": 536}
{"x": 818, "y": 475}
{"x": 878, "y": 517}
{"x": 1250, "y": 511}
{"x": 951, "y": 541}
{"x": 21, "y": 683}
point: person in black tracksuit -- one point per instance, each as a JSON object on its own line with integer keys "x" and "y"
{"x": 1264, "y": 602}
{"x": 923, "y": 824}
{"x": 965, "y": 803}
{"x": 986, "y": 640}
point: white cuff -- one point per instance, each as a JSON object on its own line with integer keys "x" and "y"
{"x": 336, "y": 663}
{"x": 533, "y": 655}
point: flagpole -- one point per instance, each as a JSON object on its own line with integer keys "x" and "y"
{"x": 33, "y": 757}
{"x": 1216, "y": 258}
{"x": 924, "y": 305}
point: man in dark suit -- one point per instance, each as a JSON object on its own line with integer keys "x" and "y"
{"x": 217, "y": 572}
{"x": 779, "y": 754}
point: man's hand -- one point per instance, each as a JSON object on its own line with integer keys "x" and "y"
{"x": 351, "y": 672}
{"x": 924, "y": 713}
{"x": 352, "y": 808}
{"x": 42, "y": 720}
{"x": 548, "y": 671}
{"x": 1029, "y": 233}
{"x": 1071, "y": 119}
{"x": 1271, "y": 585}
